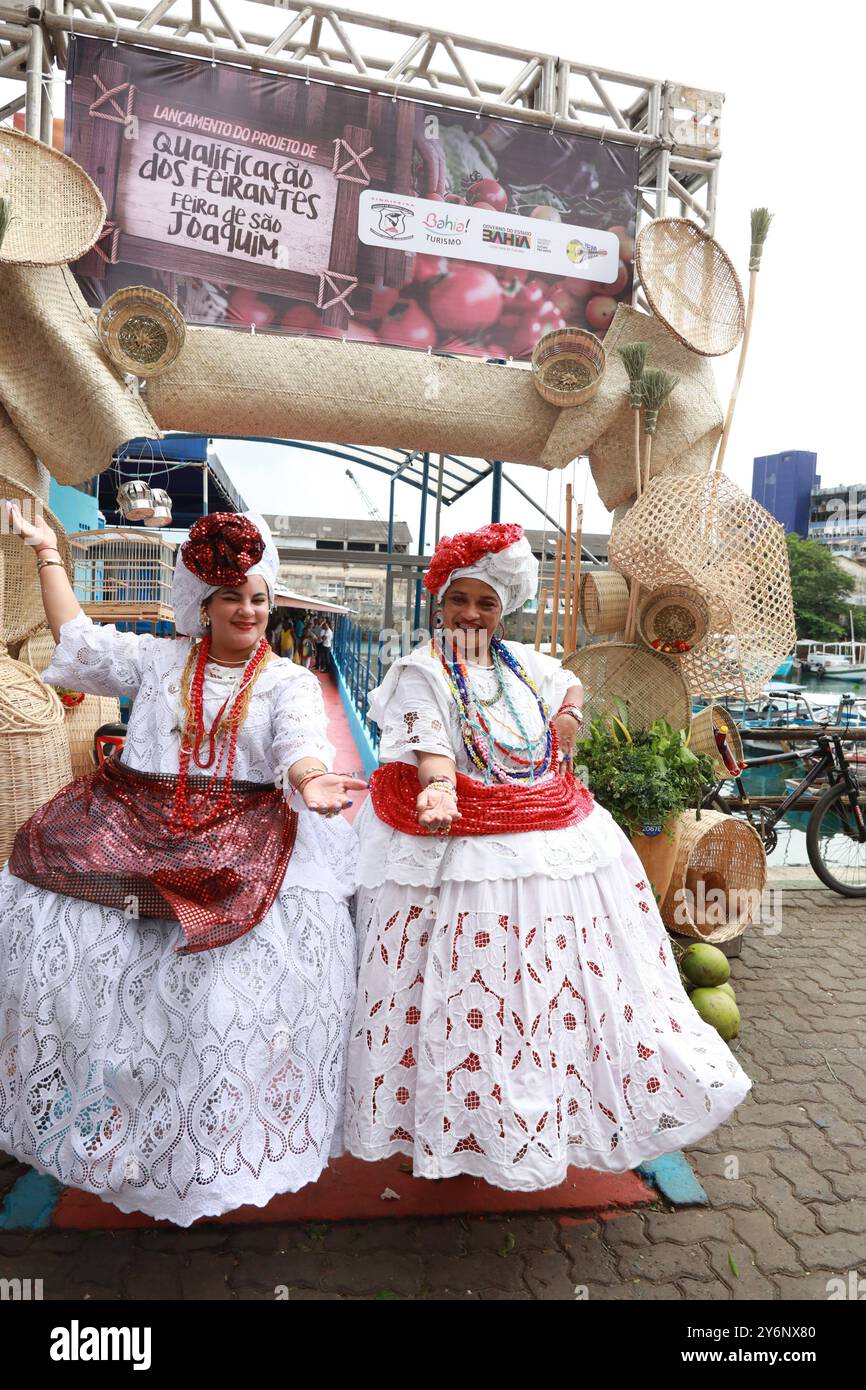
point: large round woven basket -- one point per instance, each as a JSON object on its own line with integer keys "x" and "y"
{"x": 82, "y": 721}
{"x": 702, "y": 737}
{"x": 56, "y": 210}
{"x": 23, "y": 613}
{"x": 34, "y": 749}
{"x": 650, "y": 686}
{"x": 142, "y": 330}
{"x": 673, "y": 613}
{"x": 690, "y": 284}
{"x": 574, "y": 352}
{"x": 603, "y": 602}
{"x": 718, "y": 878}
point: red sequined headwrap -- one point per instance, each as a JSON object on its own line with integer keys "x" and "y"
{"x": 222, "y": 547}
{"x": 460, "y": 551}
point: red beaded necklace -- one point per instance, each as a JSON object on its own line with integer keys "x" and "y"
{"x": 182, "y": 821}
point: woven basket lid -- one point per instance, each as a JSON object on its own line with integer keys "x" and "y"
{"x": 690, "y": 284}
{"x": 56, "y": 210}
{"x": 647, "y": 683}
{"x": 142, "y": 330}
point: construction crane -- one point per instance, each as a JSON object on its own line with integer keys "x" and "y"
{"x": 372, "y": 509}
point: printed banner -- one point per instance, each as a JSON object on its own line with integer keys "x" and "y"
{"x": 297, "y": 207}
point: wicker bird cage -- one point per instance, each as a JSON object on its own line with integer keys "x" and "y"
{"x": 649, "y": 685}
{"x": 603, "y": 602}
{"x": 707, "y": 534}
{"x": 123, "y": 574}
{"x": 718, "y": 879}
{"x": 702, "y": 737}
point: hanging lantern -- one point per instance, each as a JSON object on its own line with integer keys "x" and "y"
{"x": 135, "y": 501}
{"x": 161, "y": 515}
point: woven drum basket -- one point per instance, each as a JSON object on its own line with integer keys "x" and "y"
{"x": 568, "y": 344}
{"x": 34, "y": 749}
{"x": 82, "y": 721}
{"x": 23, "y": 613}
{"x": 707, "y": 534}
{"x": 648, "y": 684}
{"x": 603, "y": 602}
{"x": 725, "y": 855}
{"x": 702, "y": 738}
{"x": 691, "y": 285}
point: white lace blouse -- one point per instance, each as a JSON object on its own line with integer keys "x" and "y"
{"x": 416, "y": 714}
{"x": 286, "y": 717}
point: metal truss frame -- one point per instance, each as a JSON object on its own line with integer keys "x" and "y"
{"x": 675, "y": 127}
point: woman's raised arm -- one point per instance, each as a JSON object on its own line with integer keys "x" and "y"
{"x": 58, "y": 599}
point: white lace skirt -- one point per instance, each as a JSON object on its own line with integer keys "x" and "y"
{"x": 180, "y": 1086}
{"x": 512, "y": 1028}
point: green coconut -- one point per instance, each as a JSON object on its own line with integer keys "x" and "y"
{"x": 728, "y": 988}
{"x": 719, "y": 1010}
{"x": 705, "y": 965}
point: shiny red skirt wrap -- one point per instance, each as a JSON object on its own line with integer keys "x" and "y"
{"x": 498, "y": 809}
{"x": 106, "y": 838}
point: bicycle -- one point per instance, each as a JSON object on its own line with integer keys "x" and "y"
{"x": 839, "y": 811}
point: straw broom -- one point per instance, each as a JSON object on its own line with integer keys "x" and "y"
{"x": 566, "y": 619}
{"x": 656, "y": 387}
{"x": 761, "y": 219}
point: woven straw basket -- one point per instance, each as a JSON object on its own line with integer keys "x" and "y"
{"x": 718, "y": 854}
{"x": 57, "y": 211}
{"x": 583, "y": 349}
{"x": 707, "y": 534}
{"x": 38, "y": 650}
{"x": 18, "y": 463}
{"x": 702, "y": 738}
{"x": 649, "y": 685}
{"x": 141, "y": 330}
{"x": 688, "y": 428}
{"x": 70, "y": 406}
{"x": 23, "y": 612}
{"x": 82, "y": 721}
{"x": 603, "y": 602}
{"x": 34, "y": 749}
{"x": 673, "y": 612}
{"x": 691, "y": 285}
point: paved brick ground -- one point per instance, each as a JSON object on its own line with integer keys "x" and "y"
{"x": 785, "y": 1178}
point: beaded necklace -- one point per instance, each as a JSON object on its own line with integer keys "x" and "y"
{"x": 533, "y": 757}
{"x": 194, "y": 732}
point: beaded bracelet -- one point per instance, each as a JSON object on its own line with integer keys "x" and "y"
{"x": 443, "y": 782}
{"x": 573, "y": 710}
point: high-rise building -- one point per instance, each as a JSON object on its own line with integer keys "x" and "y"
{"x": 783, "y": 484}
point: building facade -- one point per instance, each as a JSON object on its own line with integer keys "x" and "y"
{"x": 783, "y": 483}
{"x": 360, "y": 587}
{"x": 838, "y": 519}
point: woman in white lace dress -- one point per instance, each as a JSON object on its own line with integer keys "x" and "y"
{"x": 518, "y": 1009}
{"x": 188, "y": 1058}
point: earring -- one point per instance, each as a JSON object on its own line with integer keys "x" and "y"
{"x": 203, "y": 617}
{"x": 439, "y": 619}
{"x": 500, "y": 632}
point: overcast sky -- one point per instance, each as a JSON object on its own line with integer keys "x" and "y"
{"x": 792, "y": 139}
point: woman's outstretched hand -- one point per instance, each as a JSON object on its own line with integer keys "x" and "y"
{"x": 329, "y": 794}
{"x": 437, "y": 809}
{"x": 36, "y": 533}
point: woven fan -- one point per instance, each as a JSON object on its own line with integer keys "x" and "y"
{"x": 690, "y": 284}
{"x": 56, "y": 211}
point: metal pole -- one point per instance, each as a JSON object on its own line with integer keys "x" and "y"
{"x": 33, "y": 105}
{"x": 422, "y": 534}
{"x": 496, "y": 499}
{"x": 389, "y": 573}
{"x": 439, "y": 483}
{"x": 204, "y": 490}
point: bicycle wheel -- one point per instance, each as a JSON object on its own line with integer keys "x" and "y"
{"x": 836, "y": 851}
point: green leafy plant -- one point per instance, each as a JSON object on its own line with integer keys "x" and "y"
{"x": 642, "y": 777}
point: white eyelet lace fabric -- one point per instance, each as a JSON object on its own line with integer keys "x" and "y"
{"x": 518, "y": 1009}
{"x": 182, "y": 1086}
{"x": 513, "y": 1030}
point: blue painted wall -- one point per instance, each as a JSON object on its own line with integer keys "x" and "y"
{"x": 75, "y": 510}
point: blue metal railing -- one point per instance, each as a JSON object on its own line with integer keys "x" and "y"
{"x": 357, "y": 657}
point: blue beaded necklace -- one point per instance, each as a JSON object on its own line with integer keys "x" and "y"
{"x": 475, "y": 732}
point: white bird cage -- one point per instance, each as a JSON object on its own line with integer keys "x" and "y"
{"x": 123, "y": 574}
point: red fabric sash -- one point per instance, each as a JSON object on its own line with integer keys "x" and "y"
{"x": 495, "y": 810}
{"x": 106, "y": 838}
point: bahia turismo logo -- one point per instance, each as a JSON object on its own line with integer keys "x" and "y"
{"x": 445, "y": 229}
{"x": 391, "y": 222}
{"x": 77, "y": 1343}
